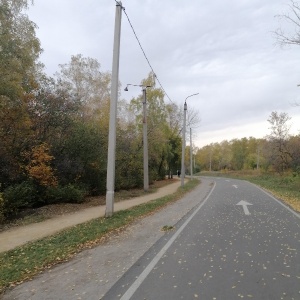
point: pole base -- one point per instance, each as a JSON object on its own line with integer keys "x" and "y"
{"x": 109, "y": 203}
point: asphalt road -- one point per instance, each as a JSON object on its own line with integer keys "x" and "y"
{"x": 239, "y": 243}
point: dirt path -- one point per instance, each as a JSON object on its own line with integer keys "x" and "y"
{"x": 15, "y": 237}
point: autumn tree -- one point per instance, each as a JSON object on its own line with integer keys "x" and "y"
{"x": 209, "y": 157}
{"x": 239, "y": 153}
{"x": 52, "y": 111}
{"x": 19, "y": 51}
{"x": 278, "y": 139}
{"x": 39, "y": 166}
{"x": 87, "y": 84}
{"x": 215, "y": 156}
{"x": 252, "y": 153}
{"x": 225, "y": 159}
{"x": 81, "y": 101}
{"x": 294, "y": 148}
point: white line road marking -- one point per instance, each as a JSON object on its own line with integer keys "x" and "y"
{"x": 245, "y": 204}
{"x": 128, "y": 294}
{"x": 235, "y": 186}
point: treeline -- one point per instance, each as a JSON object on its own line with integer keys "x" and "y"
{"x": 278, "y": 152}
{"x": 54, "y": 131}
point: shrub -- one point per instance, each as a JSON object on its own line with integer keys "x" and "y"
{"x": 65, "y": 194}
{"x": 19, "y": 196}
{"x": 73, "y": 194}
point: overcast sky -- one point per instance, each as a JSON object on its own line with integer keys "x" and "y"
{"x": 223, "y": 50}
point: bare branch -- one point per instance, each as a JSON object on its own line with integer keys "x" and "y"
{"x": 294, "y": 19}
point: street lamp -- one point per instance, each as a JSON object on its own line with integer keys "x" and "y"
{"x": 191, "y": 154}
{"x": 183, "y": 139}
{"x": 145, "y": 139}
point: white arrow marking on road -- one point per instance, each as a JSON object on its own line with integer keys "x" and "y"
{"x": 235, "y": 186}
{"x": 244, "y": 204}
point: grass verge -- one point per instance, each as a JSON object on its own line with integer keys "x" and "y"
{"x": 26, "y": 261}
{"x": 285, "y": 188}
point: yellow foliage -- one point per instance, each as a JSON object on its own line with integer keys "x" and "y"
{"x": 289, "y": 200}
{"x": 39, "y": 166}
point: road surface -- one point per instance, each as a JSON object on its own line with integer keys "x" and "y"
{"x": 228, "y": 240}
{"x": 239, "y": 243}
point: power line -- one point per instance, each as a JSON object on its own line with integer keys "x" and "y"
{"x": 123, "y": 8}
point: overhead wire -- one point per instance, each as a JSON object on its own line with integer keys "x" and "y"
{"x": 123, "y": 8}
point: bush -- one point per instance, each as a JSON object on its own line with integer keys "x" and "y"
{"x": 19, "y": 196}
{"x": 65, "y": 194}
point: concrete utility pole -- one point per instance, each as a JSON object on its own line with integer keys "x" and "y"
{"x": 210, "y": 160}
{"x": 145, "y": 134}
{"x": 111, "y": 153}
{"x": 145, "y": 141}
{"x": 183, "y": 140}
{"x": 191, "y": 153}
{"x": 183, "y": 144}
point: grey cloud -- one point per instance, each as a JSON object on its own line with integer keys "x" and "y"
{"x": 223, "y": 50}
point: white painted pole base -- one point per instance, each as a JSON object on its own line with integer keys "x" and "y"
{"x": 109, "y": 203}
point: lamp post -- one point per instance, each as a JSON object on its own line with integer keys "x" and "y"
{"x": 257, "y": 160}
{"x": 210, "y": 150}
{"x": 191, "y": 153}
{"x": 145, "y": 137}
{"x": 183, "y": 144}
{"x": 183, "y": 140}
